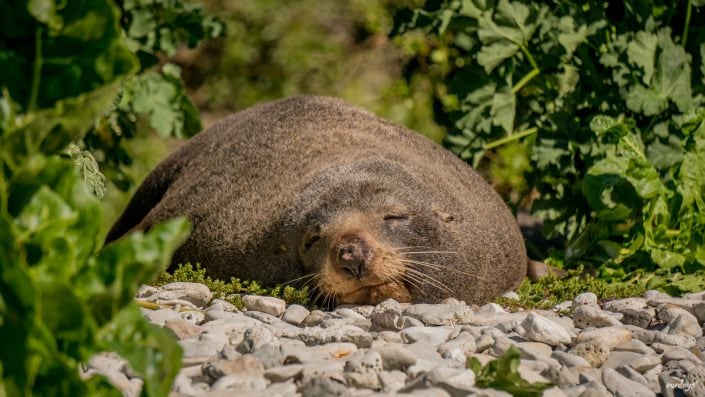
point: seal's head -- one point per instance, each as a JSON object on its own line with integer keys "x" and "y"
{"x": 367, "y": 239}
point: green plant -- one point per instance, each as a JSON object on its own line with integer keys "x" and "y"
{"x": 63, "y": 298}
{"x": 230, "y": 291}
{"x": 502, "y": 374}
{"x": 551, "y": 290}
{"x": 153, "y": 30}
{"x": 553, "y": 73}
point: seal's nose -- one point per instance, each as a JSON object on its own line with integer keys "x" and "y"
{"x": 352, "y": 256}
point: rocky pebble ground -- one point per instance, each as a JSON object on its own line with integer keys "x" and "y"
{"x": 642, "y": 346}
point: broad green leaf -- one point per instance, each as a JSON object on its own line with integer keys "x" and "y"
{"x": 642, "y": 52}
{"x": 671, "y": 80}
{"x": 503, "y": 33}
{"x": 503, "y": 109}
{"x": 491, "y": 55}
{"x": 45, "y": 11}
{"x": 570, "y": 37}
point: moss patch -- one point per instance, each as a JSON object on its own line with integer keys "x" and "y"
{"x": 551, "y": 290}
{"x": 232, "y": 290}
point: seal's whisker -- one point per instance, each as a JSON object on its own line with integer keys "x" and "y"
{"x": 319, "y": 288}
{"x": 309, "y": 276}
{"x": 416, "y": 281}
{"x": 413, "y": 283}
{"x": 441, "y": 267}
{"x": 398, "y": 249}
{"x": 429, "y": 252}
{"x": 429, "y": 279}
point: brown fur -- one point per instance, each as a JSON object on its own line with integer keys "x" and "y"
{"x": 283, "y": 189}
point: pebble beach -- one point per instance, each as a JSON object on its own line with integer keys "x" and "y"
{"x": 651, "y": 345}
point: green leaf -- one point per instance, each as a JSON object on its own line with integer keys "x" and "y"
{"x": 502, "y": 374}
{"x": 642, "y": 52}
{"x": 504, "y": 33}
{"x": 671, "y": 80}
{"x": 503, "y": 109}
{"x": 88, "y": 168}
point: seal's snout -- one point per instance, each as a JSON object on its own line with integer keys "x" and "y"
{"x": 353, "y": 256}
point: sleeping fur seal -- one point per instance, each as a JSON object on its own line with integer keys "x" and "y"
{"x": 319, "y": 190}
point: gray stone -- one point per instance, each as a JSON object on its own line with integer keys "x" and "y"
{"x": 161, "y": 316}
{"x": 586, "y": 298}
{"x": 196, "y": 317}
{"x": 636, "y": 346}
{"x": 623, "y": 387}
{"x": 362, "y": 371}
{"x": 346, "y": 312}
{"x": 458, "y": 348}
{"x": 653, "y": 294}
{"x": 568, "y": 359}
{"x": 637, "y": 361}
{"x": 695, "y": 380}
{"x": 388, "y": 320}
{"x": 314, "y": 318}
{"x": 243, "y": 384}
{"x": 678, "y": 353}
{"x": 204, "y": 345}
{"x": 411, "y": 322}
{"x": 505, "y": 322}
{"x": 270, "y": 356}
{"x": 685, "y": 324}
{"x": 342, "y": 333}
{"x": 219, "y": 304}
{"x": 433, "y": 336}
{"x": 256, "y": 337}
{"x": 534, "y": 350}
{"x": 591, "y": 316}
{"x": 197, "y": 294}
{"x": 440, "y": 314}
{"x": 327, "y": 368}
{"x": 640, "y": 317}
{"x": 620, "y": 305}
{"x": 540, "y": 329}
{"x": 265, "y": 304}
{"x": 456, "y": 382}
{"x": 283, "y": 372}
{"x": 181, "y": 329}
{"x": 396, "y": 357}
{"x": 390, "y": 304}
{"x": 302, "y": 354}
{"x": 295, "y": 314}
{"x": 491, "y": 308}
{"x": 391, "y": 381}
{"x": 283, "y": 389}
{"x": 553, "y": 392}
{"x": 244, "y": 366}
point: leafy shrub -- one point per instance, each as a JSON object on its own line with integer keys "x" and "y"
{"x": 63, "y": 298}
{"x": 609, "y": 96}
{"x": 278, "y": 48}
{"x": 502, "y": 374}
{"x": 153, "y": 30}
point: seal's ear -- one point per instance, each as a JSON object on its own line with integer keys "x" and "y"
{"x": 446, "y": 217}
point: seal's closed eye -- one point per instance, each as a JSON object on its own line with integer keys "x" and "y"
{"x": 311, "y": 241}
{"x": 396, "y": 217}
